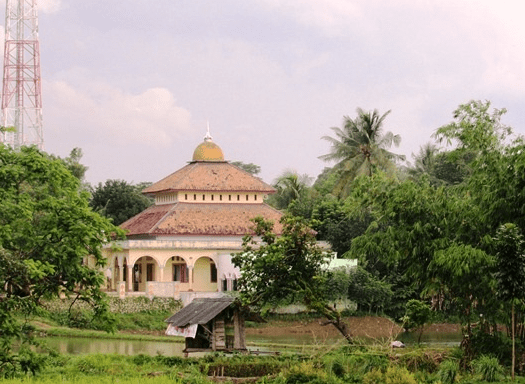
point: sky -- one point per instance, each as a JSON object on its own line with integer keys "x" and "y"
{"x": 134, "y": 83}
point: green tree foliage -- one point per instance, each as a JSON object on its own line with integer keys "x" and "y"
{"x": 248, "y": 167}
{"x": 72, "y": 163}
{"x": 47, "y": 230}
{"x": 417, "y": 314}
{"x": 285, "y": 269}
{"x": 369, "y": 292}
{"x": 441, "y": 237}
{"x": 119, "y": 200}
{"x": 361, "y": 148}
{"x": 334, "y": 225}
{"x": 290, "y": 187}
{"x": 439, "y": 166}
{"x": 475, "y": 128}
{"x": 510, "y": 275}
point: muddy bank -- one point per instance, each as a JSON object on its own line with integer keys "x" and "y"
{"x": 368, "y": 326}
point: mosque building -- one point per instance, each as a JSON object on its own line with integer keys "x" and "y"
{"x": 181, "y": 246}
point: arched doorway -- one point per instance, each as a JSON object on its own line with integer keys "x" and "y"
{"x": 179, "y": 270}
{"x": 205, "y": 275}
{"x": 145, "y": 269}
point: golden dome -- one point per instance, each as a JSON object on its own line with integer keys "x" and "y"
{"x": 208, "y": 151}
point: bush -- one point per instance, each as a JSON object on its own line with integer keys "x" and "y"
{"x": 419, "y": 359}
{"x": 488, "y": 368}
{"x": 375, "y": 376}
{"x": 397, "y": 375}
{"x": 448, "y": 371}
{"x": 496, "y": 345}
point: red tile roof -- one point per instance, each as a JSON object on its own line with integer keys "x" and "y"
{"x": 210, "y": 176}
{"x": 226, "y": 219}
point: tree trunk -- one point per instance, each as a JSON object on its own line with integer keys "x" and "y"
{"x": 334, "y": 318}
{"x": 513, "y": 343}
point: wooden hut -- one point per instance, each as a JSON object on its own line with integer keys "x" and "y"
{"x": 210, "y": 324}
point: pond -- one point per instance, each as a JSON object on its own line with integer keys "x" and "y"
{"x": 78, "y": 345}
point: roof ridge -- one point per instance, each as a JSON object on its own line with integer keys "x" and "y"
{"x": 168, "y": 212}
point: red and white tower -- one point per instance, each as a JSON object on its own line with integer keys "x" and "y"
{"x": 22, "y": 91}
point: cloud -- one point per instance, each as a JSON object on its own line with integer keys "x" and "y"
{"x": 331, "y": 16}
{"x": 104, "y": 112}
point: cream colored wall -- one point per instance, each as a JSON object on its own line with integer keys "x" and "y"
{"x": 201, "y": 276}
{"x": 198, "y": 262}
{"x": 215, "y": 197}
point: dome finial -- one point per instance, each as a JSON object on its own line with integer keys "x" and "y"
{"x": 208, "y": 136}
{"x": 208, "y": 151}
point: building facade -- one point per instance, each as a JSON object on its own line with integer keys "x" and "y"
{"x": 181, "y": 246}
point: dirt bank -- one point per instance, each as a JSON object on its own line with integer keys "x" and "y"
{"x": 368, "y": 326}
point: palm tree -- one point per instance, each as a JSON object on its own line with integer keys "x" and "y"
{"x": 290, "y": 186}
{"x": 360, "y": 148}
{"x": 425, "y": 161}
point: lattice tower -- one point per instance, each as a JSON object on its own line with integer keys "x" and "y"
{"x": 22, "y": 90}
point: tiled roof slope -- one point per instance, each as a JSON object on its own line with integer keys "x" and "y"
{"x": 200, "y": 219}
{"x": 210, "y": 176}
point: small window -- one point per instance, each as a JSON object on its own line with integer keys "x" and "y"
{"x": 224, "y": 285}
{"x": 238, "y": 197}
{"x": 230, "y": 197}
{"x": 212, "y": 197}
{"x": 255, "y": 197}
{"x": 203, "y": 197}
{"x": 247, "y": 197}
{"x": 220, "y": 197}
{"x": 194, "y": 197}
{"x": 185, "y": 196}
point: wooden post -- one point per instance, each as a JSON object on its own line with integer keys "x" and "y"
{"x": 239, "y": 342}
{"x": 219, "y": 335}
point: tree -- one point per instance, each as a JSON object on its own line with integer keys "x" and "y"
{"x": 335, "y": 225}
{"x": 72, "y": 163}
{"x": 248, "y": 167}
{"x": 475, "y": 128}
{"x": 290, "y": 187}
{"x": 442, "y": 168}
{"x": 285, "y": 269}
{"x": 510, "y": 253}
{"x": 119, "y": 200}
{"x": 361, "y": 148}
{"x": 416, "y": 316}
{"x": 47, "y": 232}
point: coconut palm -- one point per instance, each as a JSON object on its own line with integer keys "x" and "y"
{"x": 290, "y": 186}
{"x": 424, "y": 161}
{"x": 361, "y": 147}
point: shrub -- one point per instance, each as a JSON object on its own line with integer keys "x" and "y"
{"x": 488, "y": 368}
{"x": 421, "y": 360}
{"x": 397, "y": 375}
{"x": 375, "y": 376}
{"x": 448, "y": 371}
{"x": 307, "y": 372}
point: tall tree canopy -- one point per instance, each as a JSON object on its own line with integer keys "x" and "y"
{"x": 277, "y": 270}
{"x": 47, "y": 230}
{"x": 361, "y": 148}
{"x": 442, "y": 237}
{"x": 252, "y": 168}
{"x": 290, "y": 187}
{"x": 119, "y": 200}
